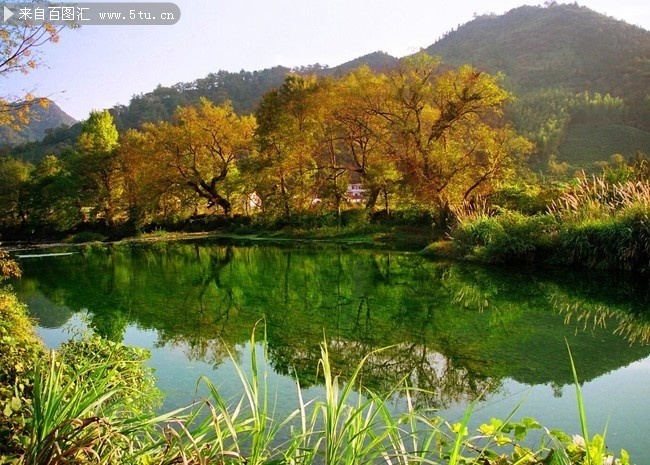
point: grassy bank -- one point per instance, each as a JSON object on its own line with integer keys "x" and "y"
{"x": 596, "y": 224}
{"x": 387, "y": 237}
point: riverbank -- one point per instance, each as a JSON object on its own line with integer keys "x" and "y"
{"x": 412, "y": 238}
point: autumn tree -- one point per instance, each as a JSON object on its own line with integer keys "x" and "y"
{"x": 448, "y": 135}
{"x": 364, "y": 133}
{"x": 287, "y": 137}
{"x": 143, "y": 176}
{"x": 201, "y": 147}
{"x": 18, "y": 54}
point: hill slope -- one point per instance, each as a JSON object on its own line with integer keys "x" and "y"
{"x": 40, "y": 120}
{"x": 555, "y": 60}
{"x": 565, "y": 46}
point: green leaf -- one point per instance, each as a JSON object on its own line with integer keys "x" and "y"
{"x": 520, "y": 432}
{"x": 531, "y": 423}
{"x": 502, "y": 440}
{"x": 625, "y": 457}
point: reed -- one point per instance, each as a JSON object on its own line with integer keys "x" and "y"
{"x": 595, "y": 224}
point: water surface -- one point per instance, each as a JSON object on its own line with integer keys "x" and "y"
{"x": 457, "y": 331}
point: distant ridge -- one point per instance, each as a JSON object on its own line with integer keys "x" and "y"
{"x": 566, "y": 46}
{"x": 377, "y": 61}
{"x": 40, "y": 120}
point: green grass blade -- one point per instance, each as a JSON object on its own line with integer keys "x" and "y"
{"x": 455, "y": 453}
{"x": 581, "y": 405}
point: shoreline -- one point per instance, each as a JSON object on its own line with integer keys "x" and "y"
{"x": 387, "y": 239}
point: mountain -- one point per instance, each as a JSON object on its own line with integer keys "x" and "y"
{"x": 566, "y": 46}
{"x": 41, "y": 119}
{"x": 377, "y": 61}
{"x": 581, "y": 79}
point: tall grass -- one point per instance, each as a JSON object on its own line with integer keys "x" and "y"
{"x": 605, "y": 225}
{"x": 589, "y": 451}
{"x": 595, "y": 224}
{"x": 596, "y": 198}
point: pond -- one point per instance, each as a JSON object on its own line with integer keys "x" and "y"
{"x": 455, "y": 330}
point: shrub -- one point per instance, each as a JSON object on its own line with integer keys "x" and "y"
{"x": 20, "y": 349}
{"x": 620, "y": 242}
{"x": 92, "y": 402}
{"x": 509, "y": 237}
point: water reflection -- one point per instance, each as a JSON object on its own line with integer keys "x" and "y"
{"x": 453, "y": 330}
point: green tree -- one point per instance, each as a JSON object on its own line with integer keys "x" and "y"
{"x": 53, "y": 195}
{"x": 14, "y": 191}
{"x": 96, "y": 165}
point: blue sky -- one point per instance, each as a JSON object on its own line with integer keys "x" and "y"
{"x": 96, "y": 67}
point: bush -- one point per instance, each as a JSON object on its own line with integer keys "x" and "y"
{"x": 510, "y": 237}
{"x": 87, "y": 236}
{"x": 621, "y": 242}
{"x": 20, "y": 349}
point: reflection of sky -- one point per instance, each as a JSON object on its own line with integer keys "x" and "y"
{"x": 54, "y": 337}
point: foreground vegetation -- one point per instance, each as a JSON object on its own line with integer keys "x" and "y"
{"x": 94, "y": 401}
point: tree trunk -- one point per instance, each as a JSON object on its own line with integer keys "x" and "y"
{"x": 224, "y": 203}
{"x": 372, "y": 199}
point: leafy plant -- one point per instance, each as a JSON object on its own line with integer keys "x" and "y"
{"x": 92, "y": 401}
{"x": 20, "y": 349}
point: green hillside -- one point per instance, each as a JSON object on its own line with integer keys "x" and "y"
{"x": 566, "y": 46}
{"x": 581, "y": 79}
{"x": 586, "y": 145}
{"x": 577, "y": 77}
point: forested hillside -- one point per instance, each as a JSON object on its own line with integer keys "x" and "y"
{"x": 575, "y": 73}
{"x": 577, "y": 77}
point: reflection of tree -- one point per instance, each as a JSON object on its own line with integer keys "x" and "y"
{"x": 453, "y": 330}
{"x": 215, "y": 302}
{"x": 439, "y": 380}
{"x": 587, "y": 315}
{"x": 110, "y": 326}
{"x": 46, "y": 312}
